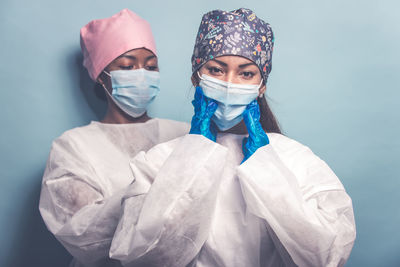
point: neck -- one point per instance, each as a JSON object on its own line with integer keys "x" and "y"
{"x": 239, "y": 128}
{"x": 115, "y": 115}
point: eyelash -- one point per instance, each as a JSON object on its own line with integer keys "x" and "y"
{"x": 214, "y": 70}
{"x": 248, "y": 74}
{"x": 126, "y": 67}
{"x": 218, "y": 71}
{"x": 152, "y": 68}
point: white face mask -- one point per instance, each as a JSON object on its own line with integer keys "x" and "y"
{"x": 134, "y": 90}
{"x": 232, "y": 99}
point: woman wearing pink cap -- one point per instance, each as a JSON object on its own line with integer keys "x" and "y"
{"x": 88, "y": 170}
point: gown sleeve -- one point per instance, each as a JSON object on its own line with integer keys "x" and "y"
{"x": 75, "y": 208}
{"x": 168, "y": 225}
{"x": 305, "y": 207}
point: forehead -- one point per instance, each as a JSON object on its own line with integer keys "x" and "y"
{"x": 138, "y": 53}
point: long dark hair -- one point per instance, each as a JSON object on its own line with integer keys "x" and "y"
{"x": 267, "y": 118}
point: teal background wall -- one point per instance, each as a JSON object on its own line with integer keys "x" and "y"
{"x": 334, "y": 87}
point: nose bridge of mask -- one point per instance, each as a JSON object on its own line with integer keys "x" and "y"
{"x": 227, "y": 92}
{"x": 135, "y": 78}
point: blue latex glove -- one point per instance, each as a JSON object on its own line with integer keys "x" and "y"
{"x": 204, "y": 109}
{"x": 257, "y": 137}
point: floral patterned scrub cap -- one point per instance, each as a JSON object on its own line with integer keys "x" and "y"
{"x": 239, "y": 32}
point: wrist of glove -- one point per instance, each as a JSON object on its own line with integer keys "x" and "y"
{"x": 257, "y": 137}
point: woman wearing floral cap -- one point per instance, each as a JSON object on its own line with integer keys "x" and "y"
{"x": 88, "y": 169}
{"x": 234, "y": 192}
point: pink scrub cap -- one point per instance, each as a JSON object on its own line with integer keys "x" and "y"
{"x": 103, "y": 40}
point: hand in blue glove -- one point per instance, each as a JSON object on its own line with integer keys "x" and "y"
{"x": 257, "y": 137}
{"x": 204, "y": 109}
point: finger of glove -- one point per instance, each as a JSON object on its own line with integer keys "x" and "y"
{"x": 204, "y": 105}
{"x": 255, "y": 110}
{"x": 195, "y": 125}
{"x": 212, "y": 106}
{"x": 244, "y": 148}
{"x": 198, "y": 99}
{"x": 198, "y": 94}
{"x": 201, "y": 127}
{"x": 251, "y": 117}
{"x": 206, "y": 131}
{"x": 211, "y": 136}
{"x": 213, "y": 129}
{"x": 200, "y": 102}
{"x": 257, "y": 135}
{"x": 248, "y": 148}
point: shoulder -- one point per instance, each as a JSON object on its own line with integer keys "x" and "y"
{"x": 76, "y": 134}
{"x": 69, "y": 152}
{"x": 284, "y": 144}
{"x": 75, "y": 141}
{"x": 290, "y": 150}
{"x": 301, "y": 161}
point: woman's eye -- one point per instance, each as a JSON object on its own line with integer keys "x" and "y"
{"x": 152, "y": 68}
{"x": 214, "y": 70}
{"x": 248, "y": 74}
{"x": 126, "y": 67}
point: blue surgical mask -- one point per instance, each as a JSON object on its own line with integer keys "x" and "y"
{"x": 134, "y": 90}
{"x": 232, "y": 99}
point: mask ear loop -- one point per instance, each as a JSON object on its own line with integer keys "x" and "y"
{"x": 102, "y": 84}
{"x": 108, "y": 74}
{"x": 108, "y": 93}
{"x": 259, "y": 86}
{"x": 198, "y": 74}
{"x": 105, "y": 89}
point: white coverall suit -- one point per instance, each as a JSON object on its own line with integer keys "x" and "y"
{"x": 192, "y": 203}
{"x": 85, "y": 179}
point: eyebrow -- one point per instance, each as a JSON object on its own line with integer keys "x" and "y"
{"x": 247, "y": 64}
{"x": 220, "y": 62}
{"x": 150, "y": 57}
{"x": 127, "y": 56}
{"x": 240, "y": 66}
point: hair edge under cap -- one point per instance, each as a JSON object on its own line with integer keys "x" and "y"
{"x": 103, "y": 40}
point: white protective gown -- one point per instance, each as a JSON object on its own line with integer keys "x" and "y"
{"x": 85, "y": 179}
{"x": 193, "y": 204}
